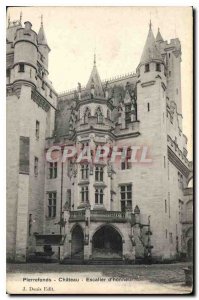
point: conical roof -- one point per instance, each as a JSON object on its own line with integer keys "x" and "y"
{"x": 159, "y": 37}
{"x": 41, "y": 36}
{"x": 150, "y": 51}
{"x": 95, "y": 81}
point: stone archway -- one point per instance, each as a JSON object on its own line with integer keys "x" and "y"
{"x": 107, "y": 243}
{"x": 77, "y": 242}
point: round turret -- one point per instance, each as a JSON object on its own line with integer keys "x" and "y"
{"x": 25, "y": 53}
{"x": 151, "y": 60}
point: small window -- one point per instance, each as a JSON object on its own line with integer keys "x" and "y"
{"x": 21, "y": 68}
{"x": 147, "y": 69}
{"x": 99, "y": 194}
{"x": 50, "y": 94}
{"x": 126, "y": 197}
{"x": 169, "y": 55}
{"x": 165, "y": 206}
{"x": 36, "y": 166}
{"x": 52, "y": 199}
{"x": 148, "y": 106}
{"x": 43, "y": 85}
{"x": 169, "y": 73}
{"x": 68, "y": 196}
{"x": 84, "y": 194}
{"x": 158, "y": 67}
{"x": 84, "y": 172}
{"x": 166, "y": 233}
{"x": 123, "y": 165}
{"x": 171, "y": 237}
{"x": 99, "y": 174}
{"x": 126, "y": 165}
{"x": 52, "y": 170}
{"x": 37, "y": 130}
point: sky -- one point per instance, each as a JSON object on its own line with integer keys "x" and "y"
{"x": 117, "y": 35}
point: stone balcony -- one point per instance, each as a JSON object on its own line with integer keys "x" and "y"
{"x": 99, "y": 216}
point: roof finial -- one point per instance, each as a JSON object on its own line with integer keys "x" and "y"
{"x": 94, "y": 61}
{"x": 41, "y": 20}
{"x": 150, "y": 25}
{"x": 20, "y": 16}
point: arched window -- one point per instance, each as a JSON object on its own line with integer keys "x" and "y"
{"x": 87, "y": 115}
{"x": 99, "y": 115}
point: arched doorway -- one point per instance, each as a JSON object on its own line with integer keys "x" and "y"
{"x": 77, "y": 242}
{"x": 107, "y": 243}
{"x": 190, "y": 248}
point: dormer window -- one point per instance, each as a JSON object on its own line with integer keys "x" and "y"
{"x": 158, "y": 67}
{"x": 21, "y": 68}
{"x": 147, "y": 69}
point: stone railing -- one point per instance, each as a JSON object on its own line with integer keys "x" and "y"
{"x": 108, "y": 216}
{"x": 98, "y": 216}
{"x": 78, "y": 215}
{"x": 105, "y": 125}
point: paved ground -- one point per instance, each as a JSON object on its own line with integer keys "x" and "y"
{"x": 159, "y": 278}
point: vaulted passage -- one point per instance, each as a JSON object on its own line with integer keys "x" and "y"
{"x": 107, "y": 243}
{"x": 77, "y": 247}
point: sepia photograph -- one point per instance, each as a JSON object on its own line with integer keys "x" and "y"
{"x": 99, "y": 147}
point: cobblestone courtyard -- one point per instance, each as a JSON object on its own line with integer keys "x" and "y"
{"x": 158, "y": 278}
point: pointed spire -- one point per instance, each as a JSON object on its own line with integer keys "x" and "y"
{"x": 41, "y": 20}
{"x": 95, "y": 81}
{"x": 94, "y": 62}
{"x": 150, "y": 51}
{"x": 150, "y": 25}
{"x": 159, "y": 37}
{"x": 41, "y": 34}
{"x": 20, "y": 16}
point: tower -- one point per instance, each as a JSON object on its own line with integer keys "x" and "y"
{"x": 31, "y": 104}
{"x": 151, "y": 112}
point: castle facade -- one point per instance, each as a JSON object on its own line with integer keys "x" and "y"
{"x": 134, "y": 207}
